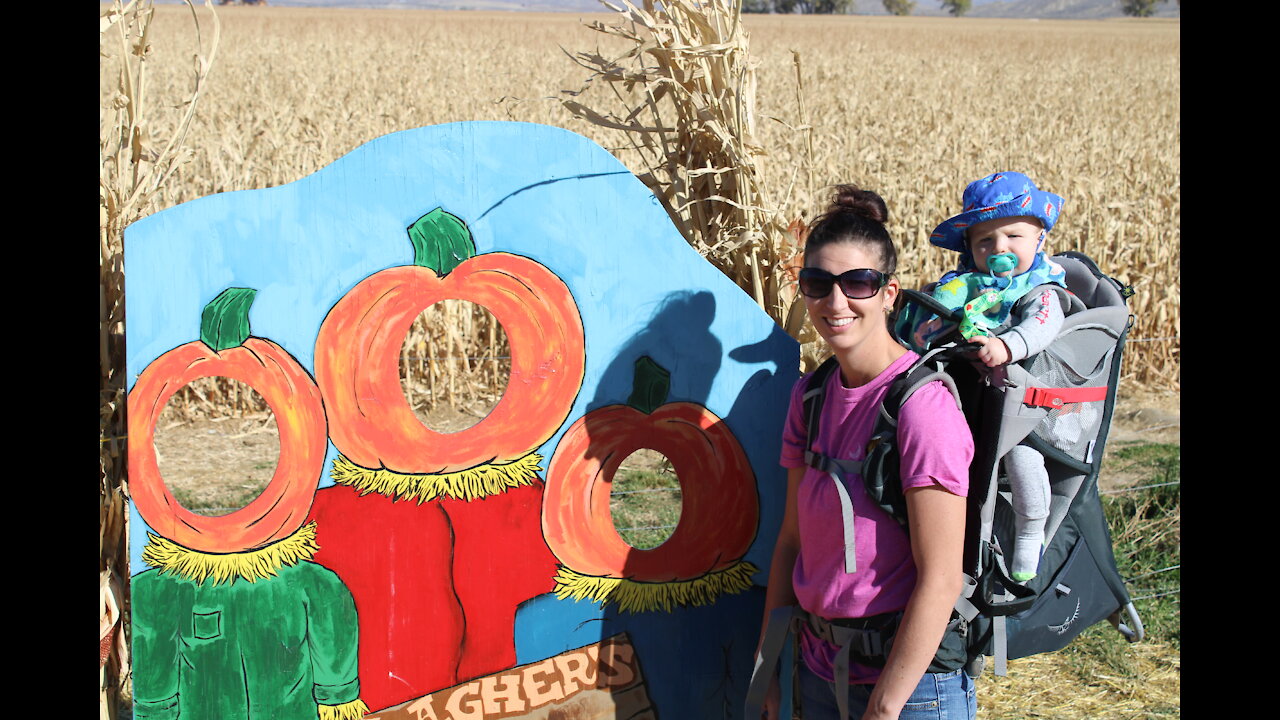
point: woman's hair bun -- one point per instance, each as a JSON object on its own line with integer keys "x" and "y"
{"x": 853, "y": 199}
{"x": 855, "y": 216}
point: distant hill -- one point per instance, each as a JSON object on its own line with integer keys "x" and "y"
{"x": 1056, "y": 9}
{"x": 509, "y": 5}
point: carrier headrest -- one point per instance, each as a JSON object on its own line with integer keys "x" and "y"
{"x": 1088, "y": 285}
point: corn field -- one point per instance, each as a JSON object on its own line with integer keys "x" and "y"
{"x": 914, "y": 108}
{"x": 740, "y": 125}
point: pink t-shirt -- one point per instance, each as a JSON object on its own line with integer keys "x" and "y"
{"x": 935, "y": 447}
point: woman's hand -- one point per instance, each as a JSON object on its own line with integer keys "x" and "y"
{"x": 991, "y": 351}
{"x": 772, "y": 702}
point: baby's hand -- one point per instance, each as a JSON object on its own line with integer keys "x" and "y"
{"x": 992, "y": 351}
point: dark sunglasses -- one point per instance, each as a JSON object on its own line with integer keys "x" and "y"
{"x": 855, "y": 284}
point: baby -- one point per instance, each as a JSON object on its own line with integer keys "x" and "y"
{"x": 1009, "y": 315}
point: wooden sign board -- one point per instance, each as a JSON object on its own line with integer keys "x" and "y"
{"x": 595, "y": 682}
{"x": 388, "y": 564}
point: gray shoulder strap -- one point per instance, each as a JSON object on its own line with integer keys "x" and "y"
{"x": 1067, "y": 300}
{"x": 834, "y": 468}
{"x": 918, "y": 381}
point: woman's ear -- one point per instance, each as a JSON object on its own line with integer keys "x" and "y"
{"x": 891, "y": 289}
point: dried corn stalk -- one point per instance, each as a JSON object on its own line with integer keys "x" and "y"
{"x": 137, "y": 156}
{"x": 684, "y": 96}
{"x": 456, "y": 356}
{"x": 1108, "y": 137}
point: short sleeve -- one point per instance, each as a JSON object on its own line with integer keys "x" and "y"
{"x": 934, "y": 441}
{"x": 333, "y": 636}
{"x": 794, "y": 432}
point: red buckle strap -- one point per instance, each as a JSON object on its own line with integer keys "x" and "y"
{"x": 1057, "y": 397}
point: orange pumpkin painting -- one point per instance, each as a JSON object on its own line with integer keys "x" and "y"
{"x": 384, "y": 446}
{"x": 720, "y": 509}
{"x": 225, "y": 349}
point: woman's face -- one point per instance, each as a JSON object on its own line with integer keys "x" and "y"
{"x": 846, "y": 323}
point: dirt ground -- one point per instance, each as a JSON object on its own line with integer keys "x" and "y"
{"x": 217, "y": 466}
{"x": 1139, "y": 418}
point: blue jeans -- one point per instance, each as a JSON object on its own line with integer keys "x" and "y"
{"x": 940, "y": 696}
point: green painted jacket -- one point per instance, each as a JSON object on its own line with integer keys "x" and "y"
{"x": 273, "y": 649}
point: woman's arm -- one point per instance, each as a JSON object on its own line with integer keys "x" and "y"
{"x": 787, "y": 548}
{"x": 937, "y": 521}
{"x": 1037, "y": 327}
{"x": 781, "y": 592}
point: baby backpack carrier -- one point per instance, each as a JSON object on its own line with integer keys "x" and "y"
{"x": 1059, "y": 402}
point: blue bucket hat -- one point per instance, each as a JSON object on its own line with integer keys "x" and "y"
{"x": 998, "y": 195}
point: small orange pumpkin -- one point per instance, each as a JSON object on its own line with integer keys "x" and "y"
{"x": 225, "y": 349}
{"x": 358, "y": 350}
{"x": 720, "y": 509}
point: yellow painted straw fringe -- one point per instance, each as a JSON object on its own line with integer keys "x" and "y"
{"x": 252, "y": 565}
{"x": 634, "y": 596}
{"x": 353, "y": 710}
{"x": 471, "y": 484}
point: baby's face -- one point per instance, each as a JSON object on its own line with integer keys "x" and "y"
{"x": 1018, "y": 235}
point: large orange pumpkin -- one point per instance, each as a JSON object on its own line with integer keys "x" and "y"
{"x": 226, "y": 349}
{"x": 358, "y": 350}
{"x": 720, "y": 509}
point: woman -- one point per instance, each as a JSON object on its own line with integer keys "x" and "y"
{"x": 849, "y": 290}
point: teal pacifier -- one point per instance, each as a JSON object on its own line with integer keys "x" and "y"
{"x": 1002, "y": 263}
{"x": 973, "y": 323}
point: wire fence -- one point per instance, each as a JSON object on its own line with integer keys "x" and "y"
{"x": 1115, "y": 491}
{"x": 213, "y": 511}
{"x": 1175, "y": 591}
{"x": 1159, "y": 592}
{"x": 1153, "y": 573}
{"x": 1129, "y": 580}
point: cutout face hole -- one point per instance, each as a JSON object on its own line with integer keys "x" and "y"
{"x": 217, "y": 445}
{"x": 454, "y": 365}
{"x": 645, "y": 499}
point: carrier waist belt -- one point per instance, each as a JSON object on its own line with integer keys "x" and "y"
{"x": 864, "y": 636}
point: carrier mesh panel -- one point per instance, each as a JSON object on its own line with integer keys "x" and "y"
{"x": 1080, "y": 357}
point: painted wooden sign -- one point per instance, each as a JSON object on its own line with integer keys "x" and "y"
{"x": 475, "y": 574}
{"x": 598, "y": 681}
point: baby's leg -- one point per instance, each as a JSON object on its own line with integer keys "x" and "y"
{"x": 1030, "y": 484}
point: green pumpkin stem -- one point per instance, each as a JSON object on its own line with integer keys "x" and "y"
{"x": 651, "y": 386}
{"x": 441, "y": 241}
{"x": 224, "y": 324}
